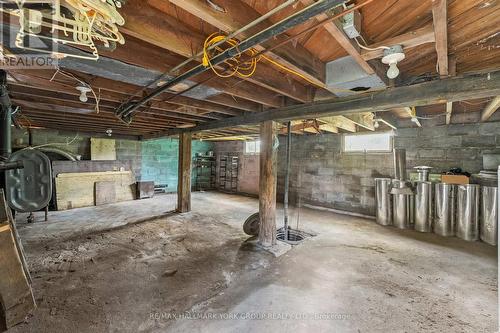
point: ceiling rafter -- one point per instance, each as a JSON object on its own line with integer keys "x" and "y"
{"x": 239, "y": 14}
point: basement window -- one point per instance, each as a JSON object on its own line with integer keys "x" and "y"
{"x": 372, "y": 142}
{"x": 252, "y": 147}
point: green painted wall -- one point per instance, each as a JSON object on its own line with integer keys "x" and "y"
{"x": 154, "y": 160}
{"x": 160, "y": 157}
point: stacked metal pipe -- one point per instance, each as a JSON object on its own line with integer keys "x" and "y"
{"x": 467, "y": 211}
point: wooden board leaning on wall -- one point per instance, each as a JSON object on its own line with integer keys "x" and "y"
{"x": 74, "y": 190}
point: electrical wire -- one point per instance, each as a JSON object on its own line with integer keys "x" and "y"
{"x": 97, "y": 99}
{"x": 57, "y": 144}
{"x": 382, "y": 47}
{"x": 431, "y": 117}
{"x": 199, "y": 54}
{"x": 243, "y": 69}
{"x": 284, "y": 42}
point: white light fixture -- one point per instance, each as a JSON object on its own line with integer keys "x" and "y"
{"x": 83, "y": 93}
{"x": 376, "y": 124}
{"x": 392, "y": 56}
{"x": 109, "y": 132}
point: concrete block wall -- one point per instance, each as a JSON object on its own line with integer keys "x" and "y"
{"x": 248, "y": 169}
{"x": 154, "y": 160}
{"x": 323, "y": 175}
{"x": 445, "y": 147}
{"x": 160, "y": 158}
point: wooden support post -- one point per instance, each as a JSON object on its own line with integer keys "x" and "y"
{"x": 184, "y": 184}
{"x": 267, "y": 191}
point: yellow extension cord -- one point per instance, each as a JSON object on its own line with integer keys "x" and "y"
{"x": 243, "y": 69}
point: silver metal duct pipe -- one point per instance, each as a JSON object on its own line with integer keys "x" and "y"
{"x": 400, "y": 164}
{"x": 445, "y": 209}
{"x": 468, "y": 212}
{"x": 489, "y": 215}
{"x": 424, "y": 195}
{"x": 383, "y": 201}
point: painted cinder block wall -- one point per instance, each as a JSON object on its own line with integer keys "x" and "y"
{"x": 248, "y": 170}
{"x": 154, "y": 160}
{"x": 323, "y": 175}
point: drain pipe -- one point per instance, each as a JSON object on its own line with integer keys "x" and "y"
{"x": 5, "y": 126}
{"x": 5, "y": 118}
{"x": 287, "y": 174}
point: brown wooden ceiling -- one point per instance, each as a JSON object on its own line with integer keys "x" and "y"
{"x": 160, "y": 34}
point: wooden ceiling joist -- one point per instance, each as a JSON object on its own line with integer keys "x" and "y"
{"x": 335, "y": 30}
{"x": 408, "y": 40}
{"x": 239, "y": 14}
{"x": 114, "y": 90}
{"x": 164, "y": 31}
{"x": 364, "y": 120}
{"x": 491, "y": 108}
{"x": 440, "y": 19}
{"x": 22, "y": 92}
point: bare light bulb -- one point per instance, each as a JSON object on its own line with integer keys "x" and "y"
{"x": 83, "y": 93}
{"x": 393, "y": 71}
{"x": 376, "y": 124}
{"x": 83, "y": 97}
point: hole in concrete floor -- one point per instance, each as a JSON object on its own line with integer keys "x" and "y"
{"x": 294, "y": 236}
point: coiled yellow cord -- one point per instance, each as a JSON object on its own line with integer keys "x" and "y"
{"x": 243, "y": 69}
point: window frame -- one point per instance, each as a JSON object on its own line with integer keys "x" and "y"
{"x": 363, "y": 152}
{"x": 256, "y": 147}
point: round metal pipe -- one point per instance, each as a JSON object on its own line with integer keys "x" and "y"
{"x": 468, "y": 212}
{"x": 287, "y": 174}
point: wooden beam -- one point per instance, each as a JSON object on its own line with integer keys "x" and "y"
{"x": 267, "y": 184}
{"x": 329, "y": 128}
{"x": 364, "y": 120}
{"x": 449, "y": 110}
{"x": 336, "y": 31}
{"x": 341, "y": 122}
{"x": 440, "y": 19}
{"x": 492, "y": 106}
{"x": 158, "y": 28}
{"x": 310, "y": 126}
{"x": 456, "y": 89}
{"x": 408, "y": 40}
{"x": 239, "y": 14}
{"x": 184, "y": 176}
{"x": 452, "y": 69}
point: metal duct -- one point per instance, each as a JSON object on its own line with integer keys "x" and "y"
{"x": 345, "y": 77}
{"x": 70, "y": 156}
{"x": 400, "y": 164}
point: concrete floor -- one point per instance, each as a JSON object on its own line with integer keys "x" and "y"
{"x": 355, "y": 276}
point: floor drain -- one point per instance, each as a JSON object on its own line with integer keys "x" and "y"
{"x": 294, "y": 236}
